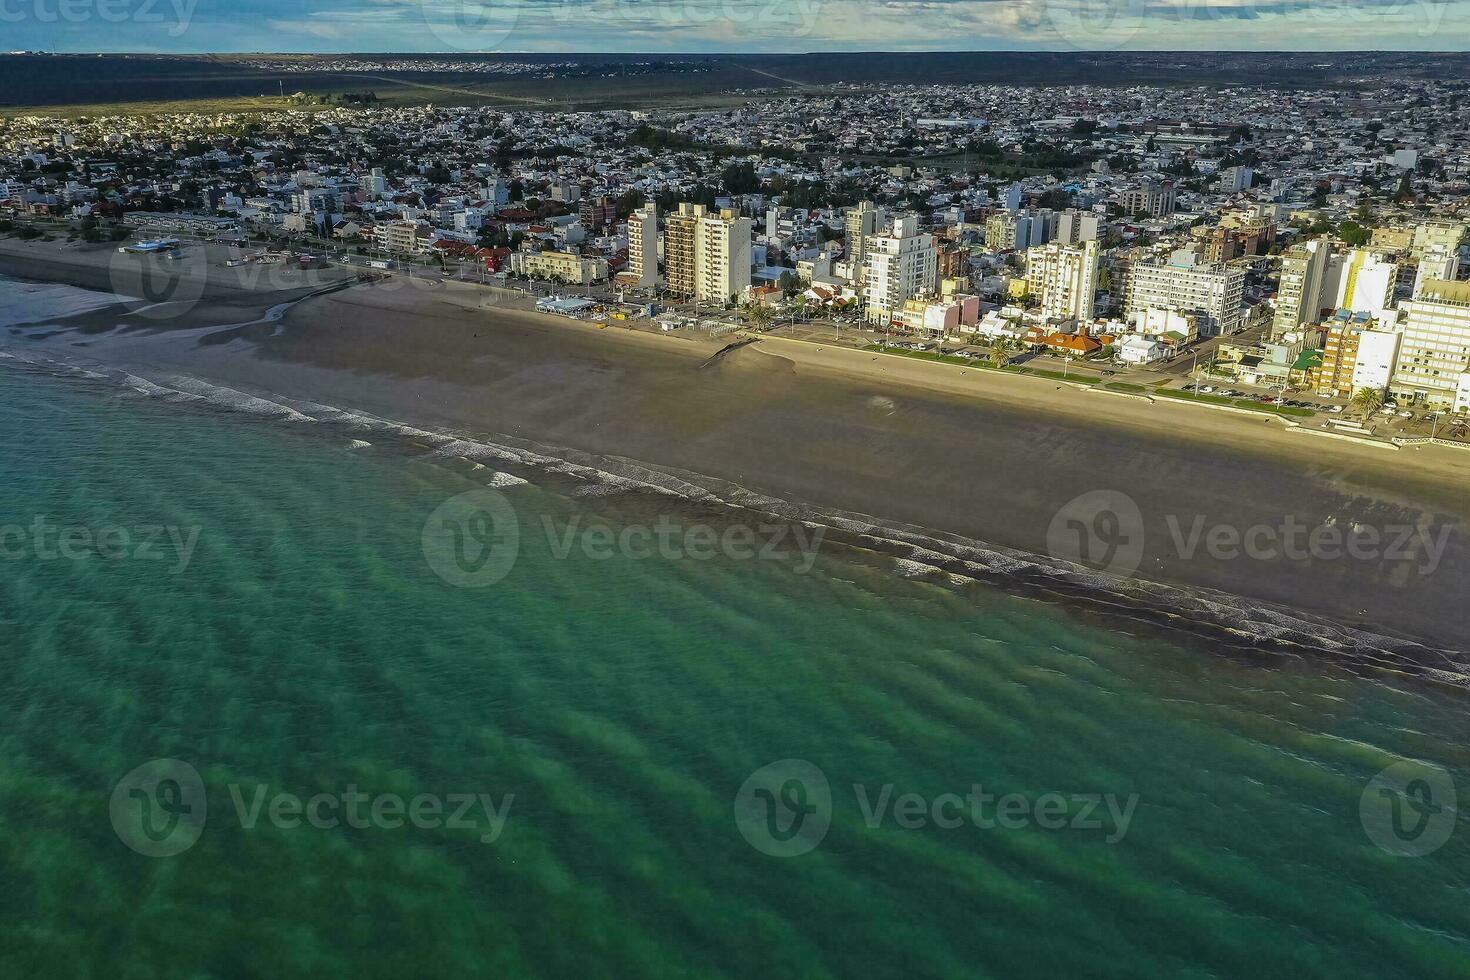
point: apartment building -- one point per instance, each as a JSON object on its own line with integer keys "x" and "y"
{"x": 569, "y": 267}
{"x": 901, "y": 265}
{"x": 1213, "y": 292}
{"x": 1152, "y": 197}
{"x": 402, "y": 237}
{"x": 707, "y": 254}
{"x": 1435, "y": 351}
{"x": 1443, "y": 233}
{"x": 1063, "y": 278}
{"x": 1299, "y": 295}
{"x": 1362, "y": 281}
{"x": 643, "y": 245}
{"x": 597, "y": 213}
{"x": 1357, "y": 354}
{"x": 863, "y": 221}
{"x": 1073, "y": 227}
{"x": 1438, "y": 263}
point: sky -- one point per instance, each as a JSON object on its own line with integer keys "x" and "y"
{"x": 778, "y": 26}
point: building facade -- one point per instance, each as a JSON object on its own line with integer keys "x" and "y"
{"x": 1435, "y": 350}
{"x": 1214, "y": 292}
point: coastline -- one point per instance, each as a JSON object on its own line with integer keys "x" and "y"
{"x": 935, "y": 459}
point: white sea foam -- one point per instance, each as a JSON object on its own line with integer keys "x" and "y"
{"x": 43, "y": 302}
{"x": 915, "y": 551}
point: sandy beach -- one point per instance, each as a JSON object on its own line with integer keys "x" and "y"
{"x": 968, "y": 453}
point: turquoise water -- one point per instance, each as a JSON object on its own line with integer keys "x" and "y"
{"x": 308, "y": 647}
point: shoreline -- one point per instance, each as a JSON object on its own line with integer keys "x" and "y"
{"x": 989, "y": 459}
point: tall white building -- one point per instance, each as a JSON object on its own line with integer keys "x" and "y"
{"x": 1299, "y": 295}
{"x": 707, "y": 254}
{"x": 1362, "y": 281}
{"x": 863, "y": 222}
{"x": 643, "y": 245}
{"x": 1214, "y": 292}
{"x": 1438, "y": 262}
{"x": 1063, "y": 278}
{"x": 900, "y": 266}
{"x": 376, "y": 184}
{"x": 1435, "y": 351}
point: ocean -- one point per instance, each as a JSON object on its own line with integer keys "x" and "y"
{"x": 283, "y": 700}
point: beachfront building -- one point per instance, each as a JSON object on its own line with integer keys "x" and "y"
{"x": 643, "y": 245}
{"x": 1299, "y": 295}
{"x": 567, "y": 267}
{"x": 1361, "y": 281}
{"x": 1213, "y": 292}
{"x": 1435, "y": 350}
{"x": 1357, "y": 354}
{"x": 1063, "y": 278}
{"x": 402, "y": 237}
{"x": 900, "y": 266}
{"x": 863, "y": 222}
{"x": 707, "y": 254}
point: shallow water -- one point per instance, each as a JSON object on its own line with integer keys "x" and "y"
{"x": 611, "y": 709}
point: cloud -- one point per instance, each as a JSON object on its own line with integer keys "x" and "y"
{"x": 783, "y": 25}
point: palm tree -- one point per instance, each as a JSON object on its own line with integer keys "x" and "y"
{"x": 758, "y": 316}
{"x": 998, "y": 354}
{"x": 1368, "y": 401}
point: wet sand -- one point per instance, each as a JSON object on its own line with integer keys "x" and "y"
{"x": 960, "y": 452}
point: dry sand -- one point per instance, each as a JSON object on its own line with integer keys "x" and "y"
{"x": 975, "y": 453}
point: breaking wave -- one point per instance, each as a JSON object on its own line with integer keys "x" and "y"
{"x": 909, "y": 551}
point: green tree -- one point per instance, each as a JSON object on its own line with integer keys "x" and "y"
{"x": 1367, "y": 401}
